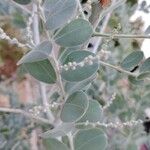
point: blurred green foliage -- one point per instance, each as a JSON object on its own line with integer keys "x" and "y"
{"x": 132, "y": 96}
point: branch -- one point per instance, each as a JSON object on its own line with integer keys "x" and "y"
{"x": 103, "y": 27}
{"x": 55, "y": 62}
{"x": 113, "y": 36}
{"x": 116, "y": 125}
{"x": 26, "y": 114}
{"x": 81, "y": 10}
{"x": 12, "y": 41}
{"x": 101, "y": 14}
{"x": 45, "y": 102}
{"x": 117, "y": 68}
{"x": 120, "y": 69}
{"x": 71, "y": 143}
{"x": 90, "y": 60}
{"x": 36, "y": 36}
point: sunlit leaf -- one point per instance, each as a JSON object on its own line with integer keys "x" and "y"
{"x": 80, "y": 73}
{"x": 60, "y": 130}
{"x": 59, "y": 12}
{"x": 75, "y": 33}
{"x": 39, "y": 53}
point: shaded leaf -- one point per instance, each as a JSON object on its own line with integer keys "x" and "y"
{"x": 71, "y": 87}
{"x": 132, "y": 60}
{"x": 53, "y": 144}
{"x": 75, "y": 107}
{"x": 64, "y": 54}
{"x": 144, "y": 75}
{"x": 22, "y": 2}
{"x": 37, "y": 63}
{"x": 90, "y": 139}
{"x": 145, "y": 66}
{"x": 135, "y": 80}
{"x": 93, "y": 113}
{"x": 41, "y": 70}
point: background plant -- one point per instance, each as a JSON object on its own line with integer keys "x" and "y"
{"x": 90, "y": 98}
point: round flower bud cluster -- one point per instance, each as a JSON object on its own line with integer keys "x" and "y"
{"x": 12, "y": 41}
{"x": 104, "y": 54}
{"x": 73, "y": 65}
{"x": 36, "y": 110}
{"x": 89, "y": 60}
{"x": 110, "y": 101}
{"x": 70, "y": 65}
{"x": 116, "y": 125}
{"x": 115, "y": 31}
{"x": 29, "y": 31}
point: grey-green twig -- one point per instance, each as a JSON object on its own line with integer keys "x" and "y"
{"x": 113, "y": 36}
{"x": 24, "y": 113}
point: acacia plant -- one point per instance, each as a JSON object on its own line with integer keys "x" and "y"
{"x": 64, "y": 50}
